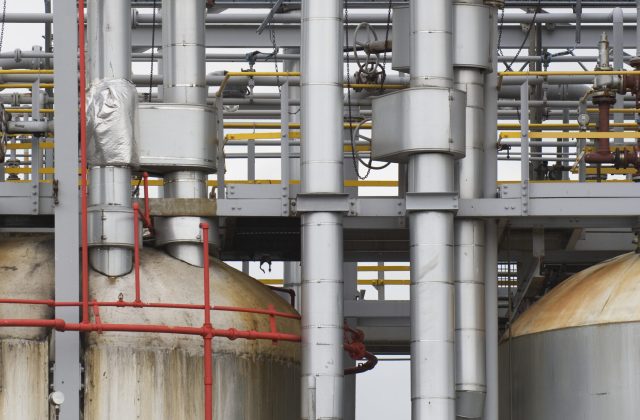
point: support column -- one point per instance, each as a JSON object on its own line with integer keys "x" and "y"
{"x": 491, "y": 232}
{"x": 66, "y": 346}
{"x": 322, "y": 177}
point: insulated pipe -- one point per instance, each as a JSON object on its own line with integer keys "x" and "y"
{"x": 184, "y": 82}
{"x": 431, "y": 232}
{"x": 322, "y": 379}
{"x": 469, "y": 257}
{"x": 109, "y": 40}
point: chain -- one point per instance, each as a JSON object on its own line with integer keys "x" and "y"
{"x": 153, "y": 47}
{"x": 383, "y": 76}
{"x": 272, "y": 37}
{"x": 4, "y": 19}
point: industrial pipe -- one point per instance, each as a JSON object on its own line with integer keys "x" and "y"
{"x": 322, "y": 174}
{"x": 431, "y": 232}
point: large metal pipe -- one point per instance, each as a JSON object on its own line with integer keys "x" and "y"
{"x": 431, "y": 232}
{"x": 322, "y": 250}
{"x": 109, "y": 38}
{"x": 184, "y": 82}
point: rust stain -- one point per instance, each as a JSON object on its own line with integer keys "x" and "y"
{"x": 603, "y": 294}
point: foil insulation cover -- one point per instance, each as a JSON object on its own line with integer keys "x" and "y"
{"x": 112, "y": 106}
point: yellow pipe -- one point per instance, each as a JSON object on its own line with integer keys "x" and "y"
{"x": 267, "y": 125}
{"x": 26, "y": 71}
{"x": 24, "y": 85}
{"x": 27, "y": 146}
{"x": 384, "y": 268}
{"x": 566, "y": 73}
{"x": 547, "y": 126}
{"x": 260, "y": 136}
{"x": 27, "y": 110}
{"x": 373, "y": 86}
{"x": 616, "y": 110}
{"x": 348, "y": 183}
{"x": 573, "y": 135}
{"x": 28, "y": 170}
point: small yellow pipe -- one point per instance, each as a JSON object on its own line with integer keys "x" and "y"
{"x": 26, "y": 71}
{"x": 28, "y": 110}
{"x": 573, "y": 135}
{"x": 566, "y": 73}
{"x": 268, "y": 125}
{"x": 24, "y": 85}
{"x": 27, "y": 146}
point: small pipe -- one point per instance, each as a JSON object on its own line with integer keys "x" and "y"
{"x": 83, "y": 163}
{"x": 136, "y": 250}
{"x": 147, "y": 207}
{"x": 290, "y": 292}
{"x": 603, "y": 126}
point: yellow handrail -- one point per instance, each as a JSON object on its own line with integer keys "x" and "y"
{"x": 567, "y": 73}
{"x": 573, "y": 135}
{"x": 25, "y": 71}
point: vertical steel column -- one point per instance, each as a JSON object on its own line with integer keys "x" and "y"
{"x": 322, "y": 248}
{"x": 292, "y": 269}
{"x": 109, "y": 51}
{"x": 66, "y": 351}
{"x": 491, "y": 232}
{"x": 431, "y": 232}
{"x": 184, "y": 67}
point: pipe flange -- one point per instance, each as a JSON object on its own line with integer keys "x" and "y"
{"x": 495, "y": 3}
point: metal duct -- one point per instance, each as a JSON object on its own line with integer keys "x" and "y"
{"x": 322, "y": 248}
{"x": 111, "y": 126}
{"x": 184, "y": 82}
{"x": 431, "y": 232}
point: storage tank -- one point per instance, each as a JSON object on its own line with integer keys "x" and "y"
{"x": 575, "y": 354}
{"x": 137, "y": 376}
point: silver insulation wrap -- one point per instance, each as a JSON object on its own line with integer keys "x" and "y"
{"x": 111, "y": 123}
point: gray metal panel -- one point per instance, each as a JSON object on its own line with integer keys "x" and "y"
{"x": 394, "y": 139}
{"x": 21, "y": 198}
{"x": 400, "y": 36}
{"x": 67, "y": 345}
{"x": 586, "y": 373}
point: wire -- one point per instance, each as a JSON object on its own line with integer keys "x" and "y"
{"x": 383, "y": 75}
{"x": 153, "y": 46}
{"x": 354, "y": 152}
{"x": 526, "y": 37}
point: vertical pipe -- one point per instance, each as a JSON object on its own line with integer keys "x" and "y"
{"x": 491, "y": 240}
{"x": 208, "y": 337}
{"x": 431, "y": 232}
{"x": 184, "y": 68}
{"x": 321, "y": 170}
{"x": 136, "y": 251}
{"x": 603, "y": 126}
{"x": 292, "y": 273}
{"x": 618, "y": 61}
{"x": 83, "y": 162}
{"x": 469, "y": 257}
{"x": 109, "y": 40}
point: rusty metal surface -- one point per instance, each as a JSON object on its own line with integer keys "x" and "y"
{"x": 606, "y": 293}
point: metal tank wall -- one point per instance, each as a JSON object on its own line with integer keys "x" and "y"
{"x": 131, "y": 376}
{"x": 159, "y": 377}
{"x": 26, "y": 272}
{"x": 574, "y": 355}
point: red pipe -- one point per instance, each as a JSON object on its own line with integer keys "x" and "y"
{"x": 122, "y": 304}
{"x": 603, "y": 115}
{"x": 208, "y": 353}
{"x": 136, "y": 251}
{"x": 83, "y": 164}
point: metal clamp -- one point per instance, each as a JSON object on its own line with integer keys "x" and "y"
{"x": 432, "y": 201}
{"x": 305, "y": 203}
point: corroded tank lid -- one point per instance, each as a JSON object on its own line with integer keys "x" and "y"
{"x": 606, "y": 293}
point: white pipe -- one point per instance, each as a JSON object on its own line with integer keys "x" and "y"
{"x": 431, "y": 232}
{"x": 321, "y": 171}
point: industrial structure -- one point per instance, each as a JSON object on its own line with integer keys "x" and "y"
{"x": 488, "y": 148}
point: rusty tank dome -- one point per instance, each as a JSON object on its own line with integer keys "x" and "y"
{"x": 606, "y": 293}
